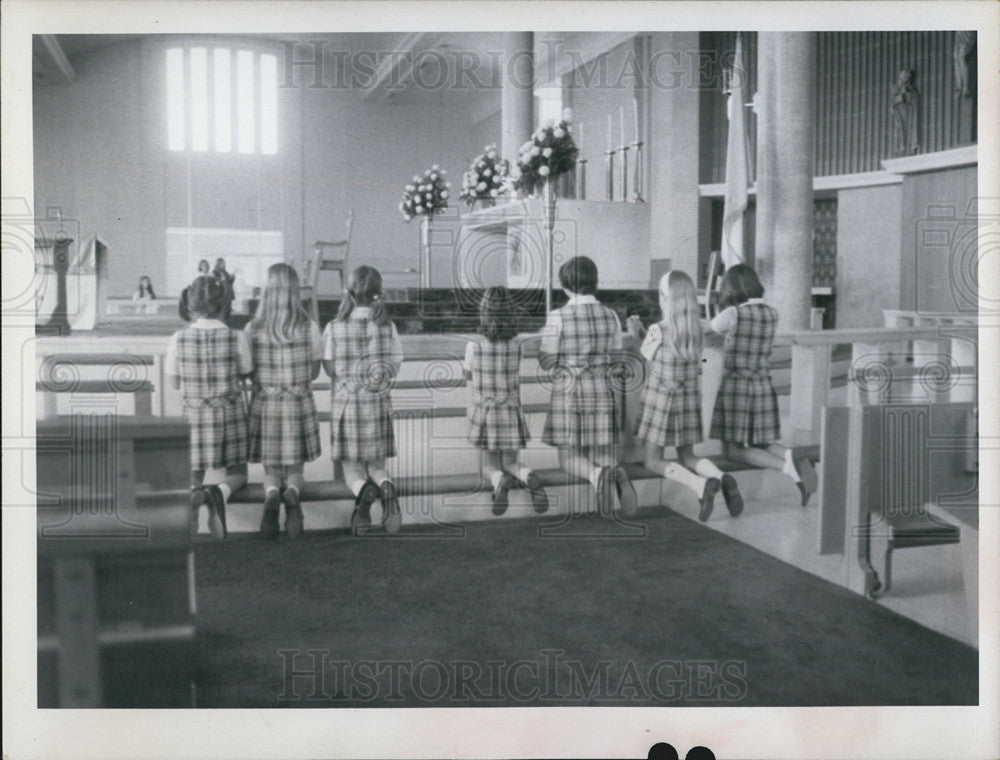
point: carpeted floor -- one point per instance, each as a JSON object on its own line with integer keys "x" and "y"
{"x": 588, "y": 614}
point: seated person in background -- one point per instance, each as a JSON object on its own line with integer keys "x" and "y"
{"x": 227, "y": 280}
{"x": 145, "y": 290}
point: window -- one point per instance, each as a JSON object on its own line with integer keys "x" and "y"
{"x": 219, "y": 98}
{"x": 548, "y": 105}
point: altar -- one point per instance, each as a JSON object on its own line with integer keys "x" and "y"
{"x": 507, "y": 244}
{"x": 69, "y": 290}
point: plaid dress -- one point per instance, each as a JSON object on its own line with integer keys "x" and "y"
{"x": 361, "y": 412}
{"x": 213, "y": 398}
{"x": 746, "y": 407}
{"x": 283, "y": 426}
{"x": 582, "y": 408}
{"x": 671, "y": 405}
{"x": 495, "y": 419}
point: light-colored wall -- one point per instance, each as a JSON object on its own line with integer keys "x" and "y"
{"x": 939, "y": 249}
{"x": 100, "y": 155}
{"x": 868, "y": 244}
{"x": 673, "y": 157}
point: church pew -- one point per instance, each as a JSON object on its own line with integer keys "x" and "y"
{"x": 902, "y": 465}
{"x": 115, "y": 573}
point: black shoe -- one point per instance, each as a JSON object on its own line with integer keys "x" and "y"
{"x": 804, "y": 493}
{"x": 269, "y": 521}
{"x": 606, "y": 492}
{"x": 216, "y": 511}
{"x": 362, "y": 517}
{"x": 808, "y": 482}
{"x": 731, "y": 493}
{"x": 500, "y": 494}
{"x": 293, "y": 512}
{"x": 539, "y": 499}
{"x": 392, "y": 518}
{"x": 627, "y": 496}
{"x": 707, "y": 500}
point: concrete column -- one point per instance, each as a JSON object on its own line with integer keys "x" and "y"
{"x": 786, "y": 143}
{"x": 517, "y": 117}
{"x": 672, "y": 152}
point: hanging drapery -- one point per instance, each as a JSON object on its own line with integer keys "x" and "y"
{"x": 737, "y": 166}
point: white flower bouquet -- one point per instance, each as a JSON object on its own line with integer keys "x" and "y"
{"x": 549, "y": 154}
{"x": 426, "y": 195}
{"x": 485, "y": 178}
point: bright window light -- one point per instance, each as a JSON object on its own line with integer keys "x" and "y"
{"x": 223, "y": 100}
{"x": 175, "y": 99}
{"x": 268, "y": 105}
{"x": 549, "y": 105}
{"x": 199, "y": 99}
{"x": 246, "y": 134}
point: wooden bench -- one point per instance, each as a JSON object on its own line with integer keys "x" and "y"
{"x": 336, "y": 490}
{"x": 57, "y": 373}
{"x": 884, "y": 467}
{"x": 115, "y": 573}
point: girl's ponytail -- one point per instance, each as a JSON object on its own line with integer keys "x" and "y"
{"x": 365, "y": 289}
{"x": 380, "y": 314}
{"x": 346, "y": 306}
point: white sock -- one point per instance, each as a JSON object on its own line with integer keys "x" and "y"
{"x": 495, "y": 479}
{"x": 523, "y": 473}
{"x": 595, "y": 477}
{"x": 268, "y": 490}
{"x": 684, "y": 476}
{"x": 789, "y": 468}
{"x": 707, "y": 468}
{"x": 356, "y": 486}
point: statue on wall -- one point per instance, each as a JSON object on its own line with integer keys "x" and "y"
{"x": 904, "y": 115}
{"x": 965, "y": 43}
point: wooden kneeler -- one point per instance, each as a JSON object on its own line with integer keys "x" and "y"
{"x": 907, "y": 531}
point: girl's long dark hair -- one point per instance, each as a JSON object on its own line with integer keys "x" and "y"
{"x": 497, "y": 321}
{"x": 146, "y": 288}
{"x": 365, "y": 289}
{"x": 739, "y": 284}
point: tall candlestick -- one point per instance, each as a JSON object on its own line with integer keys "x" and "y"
{"x": 635, "y": 113}
{"x": 609, "y": 175}
{"x": 621, "y": 122}
{"x": 624, "y": 152}
{"x": 580, "y": 146}
{"x": 609, "y": 134}
{"x": 637, "y": 196}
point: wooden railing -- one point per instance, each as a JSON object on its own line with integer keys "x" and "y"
{"x": 932, "y": 362}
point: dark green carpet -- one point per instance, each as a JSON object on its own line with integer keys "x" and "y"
{"x": 502, "y": 616}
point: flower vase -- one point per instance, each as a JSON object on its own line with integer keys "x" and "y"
{"x": 549, "y": 203}
{"x": 478, "y": 204}
{"x": 425, "y": 251}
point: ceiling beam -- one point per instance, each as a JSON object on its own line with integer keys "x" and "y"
{"x": 397, "y": 67}
{"x": 59, "y": 62}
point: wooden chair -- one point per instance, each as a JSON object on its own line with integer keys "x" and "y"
{"x": 328, "y": 256}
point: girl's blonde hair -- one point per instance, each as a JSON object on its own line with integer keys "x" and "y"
{"x": 280, "y": 314}
{"x": 365, "y": 289}
{"x": 681, "y": 325}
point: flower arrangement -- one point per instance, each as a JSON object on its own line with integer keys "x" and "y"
{"x": 549, "y": 154}
{"x": 426, "y": 195}
{"x": 485, "y": 178}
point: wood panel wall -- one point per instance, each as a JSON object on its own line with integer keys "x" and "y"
{"x": 856, "y": 72}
